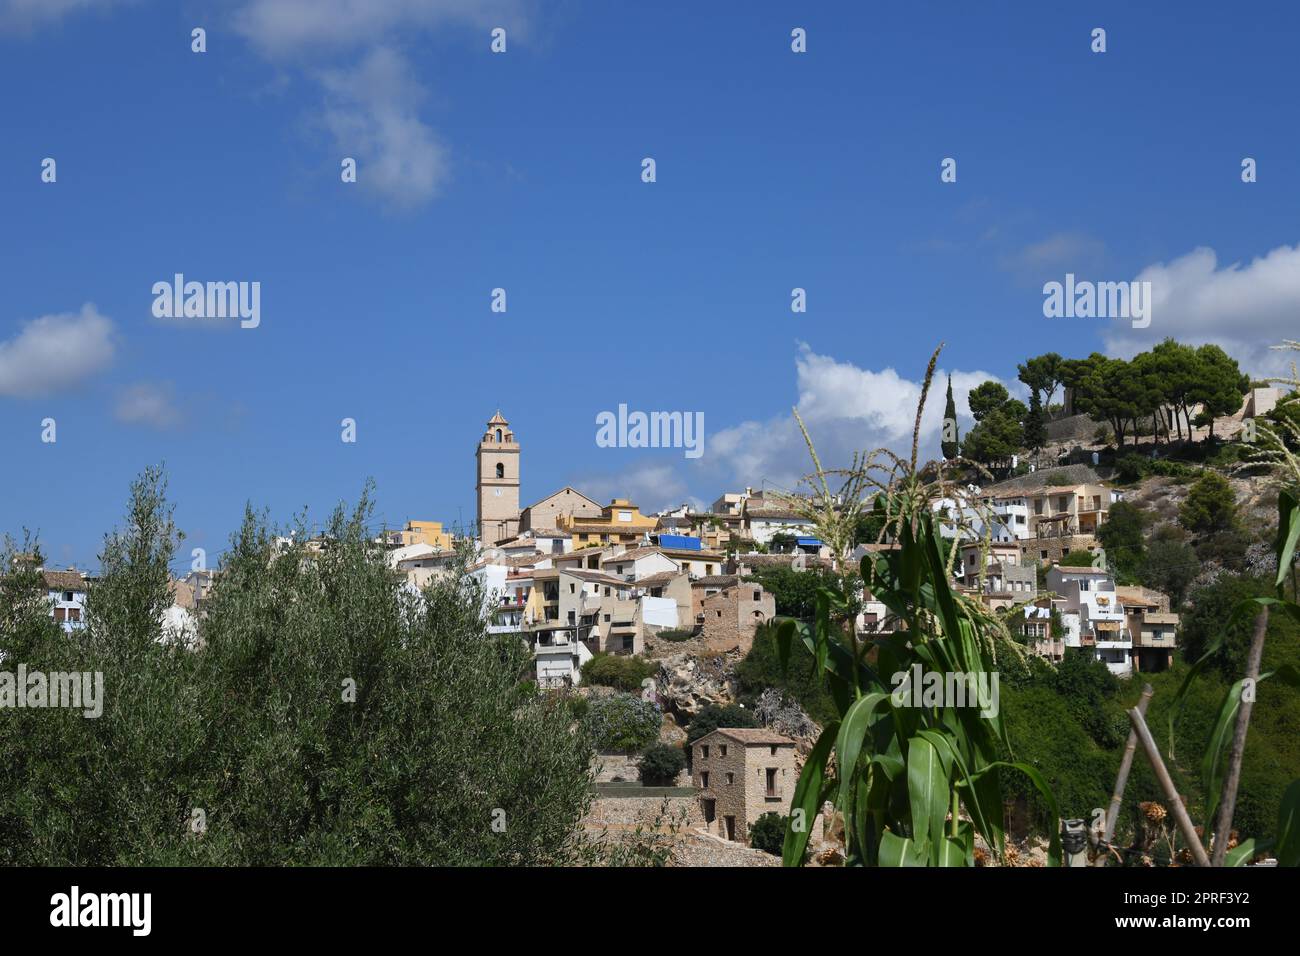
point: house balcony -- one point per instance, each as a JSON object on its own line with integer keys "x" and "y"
{"x": 1110, "y": 634}
{"x": 1055, "y": 527}
{"x": 1165, "y": 639}
{"x": 555, "y": 646}
{"x": 1054, "y": 649}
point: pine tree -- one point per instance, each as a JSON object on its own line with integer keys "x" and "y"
{"x": 950, "y": 446}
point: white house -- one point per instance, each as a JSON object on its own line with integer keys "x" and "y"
{"x": 396, "y": 556}
{"x": 638, "y": 563}
{"x": 491, "y": 576}
{"x": 1014, "y": 512}
{"x": 559, "y": 661}
{"x": 67, "y": 594}
{"x": 1093, "y": 615}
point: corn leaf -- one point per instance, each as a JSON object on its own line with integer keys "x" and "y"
{"x": 807, "y": 797}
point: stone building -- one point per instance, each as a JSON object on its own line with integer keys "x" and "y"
{"x": 730, "y": 617}
{"x": 566, "y": 503}
{"x": 741, "y": 774}
{"x": 497, "y": 483}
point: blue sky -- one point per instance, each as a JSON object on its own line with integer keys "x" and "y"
{"x": 522, "y": 170}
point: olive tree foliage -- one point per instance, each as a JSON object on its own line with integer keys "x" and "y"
{"x": 331, "y": 716}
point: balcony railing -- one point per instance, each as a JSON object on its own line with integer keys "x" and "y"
{"x": 1157, "y": 639}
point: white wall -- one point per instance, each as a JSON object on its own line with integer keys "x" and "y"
{"x": 659, "y": 612}
{"x": 493, "y": 579}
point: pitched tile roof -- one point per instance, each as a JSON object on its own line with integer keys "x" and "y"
{"x": 716, "y": 580}
{"x": 750, "y": 736}
{"x": 69, "y": 580}
{"x": 653, "y": 580}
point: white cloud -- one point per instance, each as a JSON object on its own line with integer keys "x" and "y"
{"x": 371, "y": 109}
{"x": 371, "y": 113}
{"x": 846, "y": 409}
{"x": 293, "y": 26}
{"x": 1243, "y": 308}
{"x": 146, "y": 403}
{"x": 55, "y": 352}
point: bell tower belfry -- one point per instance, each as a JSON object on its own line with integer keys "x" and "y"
{"x": 498, "y": 482}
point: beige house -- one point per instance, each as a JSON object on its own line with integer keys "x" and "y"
{"x": 1260, "y": 401}
{"x": 608, "y": 614}
{"x": 421, "y": 532}
{"x": 1153, "y": 628}
{"x": 566, "y": 503}
{"x": 420, "y": 569}
{"x": 741, "y": 774}
{"x": 698, "y": 564}
{"x": 1067, "y": 510}
{"x": 619, "y": 522}
{"x": 972, "y": 555}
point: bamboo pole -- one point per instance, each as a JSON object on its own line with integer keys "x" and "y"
{"x": 1167, "y": 784}
{"x": 1228, "y": 800}
{"x": 1121, "y": 781}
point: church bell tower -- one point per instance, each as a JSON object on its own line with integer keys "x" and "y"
{"x": 498, "y": 482}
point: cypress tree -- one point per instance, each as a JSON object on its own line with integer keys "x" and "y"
{"x": 950, "y": 446}
{"x": 1035, "y": 428}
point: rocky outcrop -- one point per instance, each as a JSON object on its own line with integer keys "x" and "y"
{"x": 687, "y": 683}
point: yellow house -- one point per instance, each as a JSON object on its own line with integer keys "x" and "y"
{"x": 619, "y": 522}
{"x": 424, "y": 532}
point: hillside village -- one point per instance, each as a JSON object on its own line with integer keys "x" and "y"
{"x": 681, "y": 593}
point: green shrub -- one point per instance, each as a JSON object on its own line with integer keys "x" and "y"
{"x": 623, "y": 722}
{"x": 675, "y": 635}
{"x": 1130, "y": 468}
{"x": 767, "y": 833}
{"x": 712, "y": 717}
{"x": 1171, "y": 469}
{"x": 1210, "y": 505}
{"x": 1078, "y": 559}
{"x": 660, "y": 765}
{"x": 795, "y": 592}
{"x": 621, "y": 672}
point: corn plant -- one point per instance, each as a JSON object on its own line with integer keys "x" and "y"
{"x": 1221, "y": 764}
{"x": 913, "y": 784}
